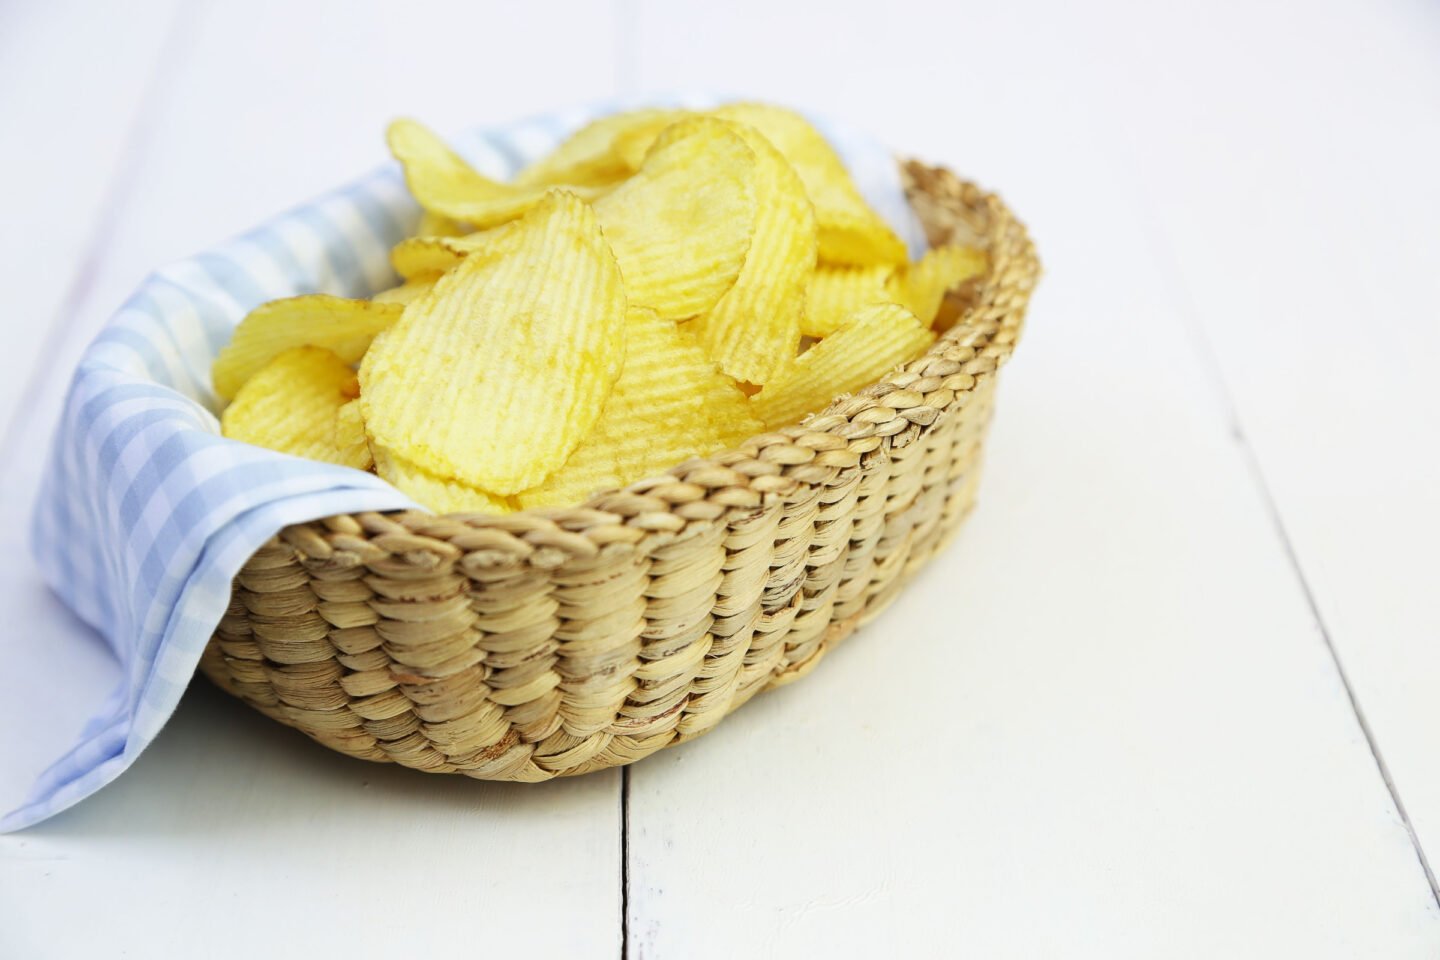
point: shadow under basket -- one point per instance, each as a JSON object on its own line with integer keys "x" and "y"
{"x": 551, "y": 643}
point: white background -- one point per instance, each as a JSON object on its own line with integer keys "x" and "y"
{"x": 1174, "y": 692}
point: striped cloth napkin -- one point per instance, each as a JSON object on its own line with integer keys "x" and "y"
{"x": 147, "y": 513}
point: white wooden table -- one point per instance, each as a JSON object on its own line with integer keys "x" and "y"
{"x": 1187, "y": 693}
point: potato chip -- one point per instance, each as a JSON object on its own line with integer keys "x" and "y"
{"x": 435, "y": 225}
{"x": 921, "y": 286}
{"x": 874, "y": 341}
{"x": 345, "y": 327}
{"x": 603, "y": 152}
{"x": 681, "y": 227}
{"x": 837, "y": 292}
{"x": 445, "y": 184}
{"x": 850, "y": 231}
{"x": 755, "y": 328}
{"x": 425, "y": 258}
{"x": 495, "y": 376}
{"x": 632, "y": 144}
{"x": 671, "y": 403}
{"x": 350, "y": 438}
{"x": 441, "y": 494}
{"x": 292, "y": 405}
{"x": 405, "y": 293}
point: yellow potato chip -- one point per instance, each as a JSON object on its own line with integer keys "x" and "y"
{"x": 441, "y": 494}
{"x": 495, "y": 377}
{"x": 837, "y": 292}
{"x": 860, "y": 239}
{"x": 345, "y": 327}
{"x": 425, "y": 258}
{"x": 435, "y": 225}
{"x": 293, "y": 406}
{"x": 874, "y": 341}
{"x": 405, "y": 293}
{"x": 601, "y": 153}
{"x": 671, "y": 403}
{"x": 850, "y": 231}
{"x": 921, "y": 286}
{"x": 350, "y": 438}
{"x": 632, "y": 144}
{"x": 445, "y": 184}
{"x": 755, "y": 328}
{"x": 680, "y": 227}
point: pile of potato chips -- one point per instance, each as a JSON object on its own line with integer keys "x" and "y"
{"x": 664, "y": 285}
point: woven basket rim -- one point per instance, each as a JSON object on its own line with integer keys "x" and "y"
{"x": 778, "y": 465}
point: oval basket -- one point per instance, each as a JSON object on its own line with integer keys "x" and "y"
{"x": 552, "y": 643}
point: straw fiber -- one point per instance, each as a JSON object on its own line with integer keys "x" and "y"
{"x": 552, "y": 643}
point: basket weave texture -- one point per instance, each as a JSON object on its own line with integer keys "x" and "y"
{"x": 545, "y": 644}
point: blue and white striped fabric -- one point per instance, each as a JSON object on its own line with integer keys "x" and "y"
{"x": 148, "y": 513}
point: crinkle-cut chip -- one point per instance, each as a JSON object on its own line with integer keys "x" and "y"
{"x": 293, "y": 406}
{"x": 350, "y": 437}
{"x": 603, "y": 152}
{"x": 874, "y": 341}
{"x": 921, "y": 286}
{"x": 445, "y": 184}
{"x": 860, "y": 239}
{"x": 850, "y": 231}
{"x": 681, "y": 227}
{"x": 837, "y": 292}
{"x": 426, "y": 258}
{"x": 343, "y": 326}
{"x": 755, "y": 328}
{"x": 670, "y": 404}
{"x": 440, "y": 494}
{"x": 495, "y": 377}
{"x": 405, "y": 293}
{"x": 422, "y": 258}
{"x": 435, "y": 225}
{"x": 632, "y": 144}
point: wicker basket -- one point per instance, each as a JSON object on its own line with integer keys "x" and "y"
{"x": 545, "y": 644}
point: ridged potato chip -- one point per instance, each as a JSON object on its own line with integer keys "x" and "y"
{"x": 671, "y": 403}
{"x": 293, "y": 406}
{"x": 425, "y": 258}
{"x": 405, "y": 293}
{"x": 874, "y": 341}
{"x": 445, "y": 184}
{"x": 755, "y": 328}
{"x": 495, "y": 377}
{"x": 921, "y": 286}
{"x": 435, "y": 225}
{"x": 850, "y": 231}
{"x": 343, "y": 326}
{"x": 601, "y": 153}
{"x": 681, "y": 227}
{"x": 441, "y": 494}
{"x": 350, "y": 438}
{"x": 837, "y": 292}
